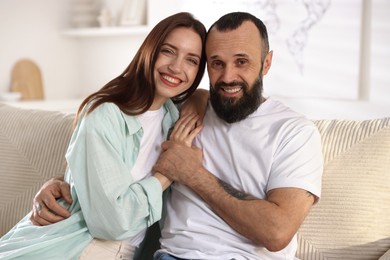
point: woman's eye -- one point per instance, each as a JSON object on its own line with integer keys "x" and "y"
{"x": 167, "y": 51}
{"x": 193, "y": 61}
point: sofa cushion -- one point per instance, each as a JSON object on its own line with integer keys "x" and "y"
{"x": 352, "y": 219}
{"x": 32, "y": 150}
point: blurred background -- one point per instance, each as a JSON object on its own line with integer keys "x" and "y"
{"x": 331, "y": 58}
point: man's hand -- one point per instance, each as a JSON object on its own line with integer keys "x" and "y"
{"x": 179, "y": 162}
{"x": 183, "y": 133}
{"x": 46, "y": 209}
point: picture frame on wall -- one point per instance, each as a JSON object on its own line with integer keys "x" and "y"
{"x": 133, "y": 13}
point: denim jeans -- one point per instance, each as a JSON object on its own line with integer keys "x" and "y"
{"x": 165, "y": 256}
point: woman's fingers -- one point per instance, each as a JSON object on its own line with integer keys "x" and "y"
{"x": 187, "y": 121}
{"x": 185, "y": 129}
{"x": 184, "y": 125}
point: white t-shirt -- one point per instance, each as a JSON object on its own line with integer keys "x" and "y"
{"x": 150, "y": 147}
{"x": 149, "y": 152}
{"x": 274, "y": 147}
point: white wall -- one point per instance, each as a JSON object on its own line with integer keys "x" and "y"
{"x": 101, "y": 58}
{"x": 74, "y": 67}
{"x": 375, "y": 88}
{"x": 32, "y": 29}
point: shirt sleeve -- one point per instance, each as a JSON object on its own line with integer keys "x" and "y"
{"x": 100, "y": 158}
{"x": 298, "y": 160}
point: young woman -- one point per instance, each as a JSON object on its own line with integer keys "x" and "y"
{"x": 115, "y": 143}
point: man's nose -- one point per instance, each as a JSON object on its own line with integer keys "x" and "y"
{"x": 229, "y": 74}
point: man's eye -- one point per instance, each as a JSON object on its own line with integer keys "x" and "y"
{"x": 242, "y": 62}
{"x": 216, "y": 64}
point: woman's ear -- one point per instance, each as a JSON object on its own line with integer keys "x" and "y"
{"x": 267, "y": 62}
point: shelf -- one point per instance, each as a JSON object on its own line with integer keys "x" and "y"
{"x": 107, "y": 31}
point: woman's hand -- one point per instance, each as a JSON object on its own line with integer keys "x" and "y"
{"x": 186, "y": 129}
{"x": 164, "y": 181}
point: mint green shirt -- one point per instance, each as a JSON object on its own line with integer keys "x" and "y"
{"x": 107, "y": 202}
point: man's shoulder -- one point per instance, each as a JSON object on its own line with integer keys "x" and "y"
{"x": 279, "y": 115}
{"x": 279, "y": 111}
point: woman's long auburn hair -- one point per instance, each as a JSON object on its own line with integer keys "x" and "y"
{"x": 133, "y": 91}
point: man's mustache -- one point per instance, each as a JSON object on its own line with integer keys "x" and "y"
{"x": 222, "y": 84}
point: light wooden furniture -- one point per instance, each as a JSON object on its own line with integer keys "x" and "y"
{"x": 26, "y": 79}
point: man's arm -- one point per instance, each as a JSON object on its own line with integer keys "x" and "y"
{"x": 196, "y": 103}
{"x": 271, "y": 223}
{"x": 46, "y": 210}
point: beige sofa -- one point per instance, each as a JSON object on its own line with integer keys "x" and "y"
{"x": 352, "y": 220}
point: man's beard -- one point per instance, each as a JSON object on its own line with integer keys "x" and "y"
{"x": 232, "y": 109}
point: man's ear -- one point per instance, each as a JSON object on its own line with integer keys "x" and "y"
{"x": 267, "y": 62}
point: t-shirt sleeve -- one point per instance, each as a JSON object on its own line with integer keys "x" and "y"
{"x": 298, "y": 160}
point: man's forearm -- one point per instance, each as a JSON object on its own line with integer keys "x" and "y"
{"x": 261, "y": 221}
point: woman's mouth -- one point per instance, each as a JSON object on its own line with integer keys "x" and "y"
{"x": 170, "y": 81}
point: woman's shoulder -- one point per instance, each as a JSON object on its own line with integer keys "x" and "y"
{"x": 108, "y": 108}
{"x": 107, "y": 114}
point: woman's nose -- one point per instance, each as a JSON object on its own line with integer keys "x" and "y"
{"x": 175, "y": 66}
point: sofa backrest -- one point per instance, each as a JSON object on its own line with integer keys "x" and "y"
{"x": 32, "y": 149}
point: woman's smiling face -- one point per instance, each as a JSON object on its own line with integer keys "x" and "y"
{"x": 177, "y": 64}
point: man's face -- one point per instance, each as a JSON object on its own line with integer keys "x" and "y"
{"x": 233, "y": 110}
{"x": 235, "y": 70}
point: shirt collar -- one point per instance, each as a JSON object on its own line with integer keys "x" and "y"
{"x": 171, "y": 114}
